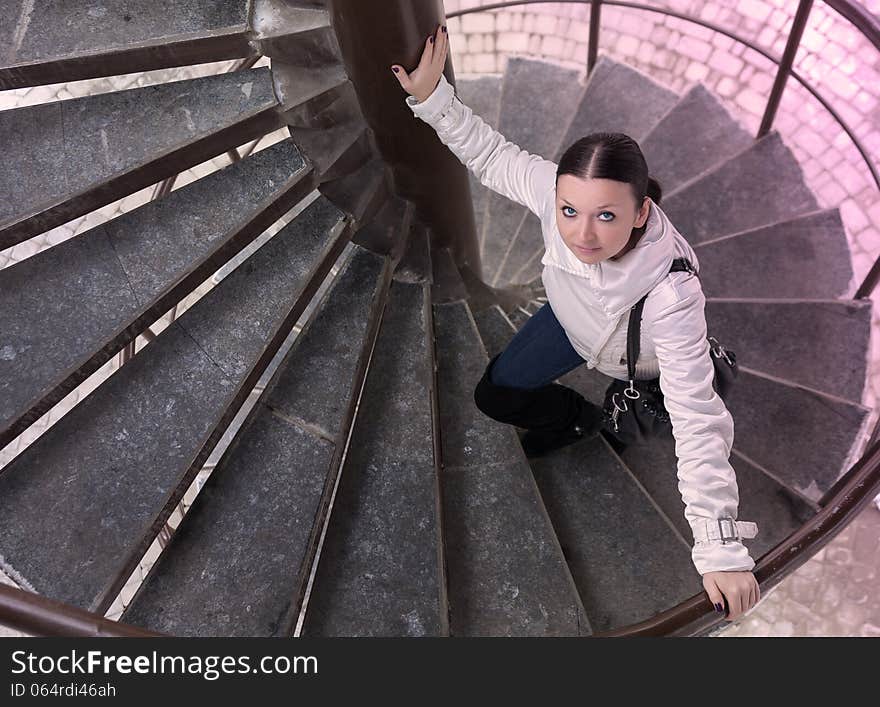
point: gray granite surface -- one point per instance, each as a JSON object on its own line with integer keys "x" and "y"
{"x": 822, "y": 345}
{"x": 38, "y": 30}
{"x": 811, "y": 434}
{"x": 380, "y": 571}
{"x": 87, "y": 289}
{"x": 507, "y": 575}
{"x": 75, "y": 502}
{"x": 761, "y": 185}
{"x": 697, "y": 134}
{"x": 524, "y": 122}
{"x": 495, "y": 329}
{"x": 804, "y": 257}
{"x": 232, "y": 566}
{"x": 482, "y": 95}
{"x": 67, "y": 148}
{"x": 627, "y": 562}
{"x": 617, "y": 99}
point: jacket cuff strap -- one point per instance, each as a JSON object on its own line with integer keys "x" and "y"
{"x": 724, "y": 529}
{"x": 436, "y": 105}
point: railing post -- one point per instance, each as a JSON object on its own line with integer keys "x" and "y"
{"x": 791, "y": 47}
{"x": 595, "y": 24}
{"x": 372, "y": 36}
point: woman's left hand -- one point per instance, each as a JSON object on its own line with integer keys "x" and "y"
{"x": 739, "y": 588}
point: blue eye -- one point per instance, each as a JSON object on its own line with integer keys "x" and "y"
{"x": 607, "y": 212}
{"x": 567, "y": 207}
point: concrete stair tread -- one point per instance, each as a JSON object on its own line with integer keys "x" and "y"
{"x": 380, "y": 571}
{"x": 507, "y": 574}
{"x": 803, "y": 438}
{"x": 528, "y": 243}
{"x": 523, "y": 121}
{"x": 761, "y": 185}
{"x": 483, "y": 96}
{"x": 234, "y": 564}
{"x": 803, "y": 257}
{"x": 820, "y": 345}
{"x": 104, "y": 473}
{"x": 627, "y": 561}
{"x": 495, "y": 329}
{"x": 617, "y": 98}
{"x": 71, "y": 157}
{"x": 50, "y": 42}
{"x": 89, "y": 290}
{"x": 696, "y": 134}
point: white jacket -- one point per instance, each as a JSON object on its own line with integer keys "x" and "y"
{"x": 592, "y": 304}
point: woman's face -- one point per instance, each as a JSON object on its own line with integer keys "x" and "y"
{"x": 596, "y": 216}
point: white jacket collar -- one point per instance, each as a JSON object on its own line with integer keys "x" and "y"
{"x": 619, "y": 284}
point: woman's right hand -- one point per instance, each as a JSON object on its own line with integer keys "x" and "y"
{"x": 425, "y": 77}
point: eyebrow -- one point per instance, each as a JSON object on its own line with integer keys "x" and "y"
{"x": 598, "y": 207}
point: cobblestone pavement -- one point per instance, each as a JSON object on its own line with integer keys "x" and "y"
{"x": 836, "y": 592}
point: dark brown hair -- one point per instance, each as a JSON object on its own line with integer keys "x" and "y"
{"x": 616, "y": 156}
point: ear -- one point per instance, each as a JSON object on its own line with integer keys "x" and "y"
{"x": 643, "y": 212}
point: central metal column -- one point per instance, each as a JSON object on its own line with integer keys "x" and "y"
{"x": 372, "y": 36}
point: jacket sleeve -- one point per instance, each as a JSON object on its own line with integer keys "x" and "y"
{"x": 498, "y": 163}
{"x": 702, "y": 427}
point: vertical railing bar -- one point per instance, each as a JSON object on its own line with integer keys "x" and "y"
{"x": 782, "y": 73}
{"x": 595, "y": 24}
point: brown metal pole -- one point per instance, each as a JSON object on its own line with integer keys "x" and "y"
{"x": 791, "y": 47}
{"x": 372, "y": 36}
{"x": 38, "y": 616}
{"x": 595, "y": 25}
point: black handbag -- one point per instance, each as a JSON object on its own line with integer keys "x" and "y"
{"x": 634, "y": 409}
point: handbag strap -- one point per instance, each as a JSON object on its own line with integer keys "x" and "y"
{"x": 634, "y": 328}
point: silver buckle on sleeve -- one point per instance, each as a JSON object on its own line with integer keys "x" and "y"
{"x": 727, "y": 538}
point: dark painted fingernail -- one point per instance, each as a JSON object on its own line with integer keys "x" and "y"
{"x": 395, "y": 69}
{"x": 719, "y": 608}
{"x": 444, "y": 28}
{"x": 432, "y": 39}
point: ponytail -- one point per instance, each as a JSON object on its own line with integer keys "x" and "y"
{"x": 654, "y": 190}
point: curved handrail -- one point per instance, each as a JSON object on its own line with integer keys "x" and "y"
{"x": 39, "y": 616}
{"x": 863, "y": 21}
{"x": 861, "y": 483}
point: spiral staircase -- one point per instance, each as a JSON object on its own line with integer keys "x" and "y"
{"x": 361, "y": 493}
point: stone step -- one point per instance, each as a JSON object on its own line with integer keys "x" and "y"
{"x": 777, "y": 509}
{"x": 803, "y": 257}
{"x": 381, "y": 567}
{"x": 761, "y": 185}
{"x": 238, "y": 563}
{"x": 802, "y": 437}
{"x": 627, "y": 560}
{"x": 507, "y": 574}
{"x": 820, "y": 345}
{"x": 92, "y": 294}
{"x": 67, "y": 158}
{"x": 523, "y": 250}
{"x": 495, "y": 329}
{"x": 518, "y": 317}
{"x": 107, "y": 475}
{"x": 51, "y": 42}
{"x": 617, "y": 98}
{"x": 483, "y": 96}
{"x": 697, "y": 134}
{"x": 523, "y": 121}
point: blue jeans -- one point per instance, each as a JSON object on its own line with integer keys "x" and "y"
{"x": 538, "y": 354}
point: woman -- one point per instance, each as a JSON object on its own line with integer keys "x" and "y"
{"x": 596, "y": 268}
